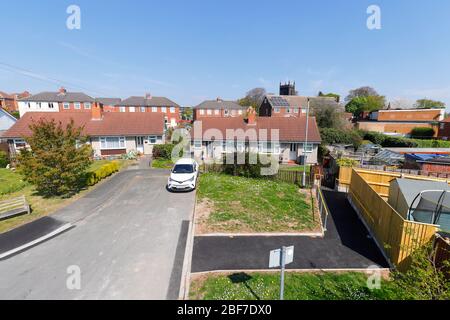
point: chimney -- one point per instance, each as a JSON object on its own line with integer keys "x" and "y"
{"x": 97, "y": 112}
{"x": 148, "y": 96}
{"x": 251, "y": 116}
{"x": 219, "y": 99}
{"x": 62, "y": 90}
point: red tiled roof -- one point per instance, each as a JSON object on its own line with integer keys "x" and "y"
{"x": 291, "y": 129}
{"x": 112, "y": 124}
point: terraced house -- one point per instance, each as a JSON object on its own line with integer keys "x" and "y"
{"x": 110, "y": 133}
{"x": 60, "y": 101}
{"x": 218, "y": 108}
{"x": 148, "y": 103}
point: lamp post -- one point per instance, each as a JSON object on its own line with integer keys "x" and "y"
{"x": 305, "y": 143}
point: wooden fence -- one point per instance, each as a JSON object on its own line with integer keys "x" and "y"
{"x": 378, "y": 180}
{"x": 397, "y": 237}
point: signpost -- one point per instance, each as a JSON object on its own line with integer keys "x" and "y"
{"x": 280, "y": 258}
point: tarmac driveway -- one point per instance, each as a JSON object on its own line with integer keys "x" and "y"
{"x": 128, "y": 241}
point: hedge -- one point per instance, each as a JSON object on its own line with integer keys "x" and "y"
{"x": 332, "y": 135}
{"x": 104, "y": 171}
{"x": 400, "y": 142}
{"x": 163, "y": 151}
{"x": 422, "y": 132}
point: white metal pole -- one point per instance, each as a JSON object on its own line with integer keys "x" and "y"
{"x": 283, "y": 261}
{"x": 305, "y": 143}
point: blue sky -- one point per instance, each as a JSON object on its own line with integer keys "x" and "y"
{"x": 195, "y": 50}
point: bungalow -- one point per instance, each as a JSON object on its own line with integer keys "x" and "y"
{"x": 61, "y": 101}
{"x": 284, "y": 138}
{"x": 162, "y": 105}
{"x": 109, "y": 133}
{"x": 218, "y": 108}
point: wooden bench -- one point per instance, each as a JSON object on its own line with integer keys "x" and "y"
{"x": 13, "y": 207}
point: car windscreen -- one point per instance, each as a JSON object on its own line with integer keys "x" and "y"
{"x": 183, "y": 168}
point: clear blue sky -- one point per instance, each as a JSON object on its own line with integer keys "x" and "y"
{"x": 195, "y": 50}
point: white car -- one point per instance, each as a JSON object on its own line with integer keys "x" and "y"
{"x": 183, "y": 176}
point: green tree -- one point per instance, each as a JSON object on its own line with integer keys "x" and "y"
{"x": 57, "y": 159}
{"x": 369, "y": 103}
{"x": 187, "y": 113}
{"x": 423, "y": 280}
{"x": 328, "y": 113}
{"x": 429, "y": 104}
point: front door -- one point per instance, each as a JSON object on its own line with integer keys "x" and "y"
{"x": 293, "y": 152}
{"x": 140, "y": 144}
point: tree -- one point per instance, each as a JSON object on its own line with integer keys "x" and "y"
{"x": 361, "y": 92}
{"x": 329, "y": 95}
{"x": 429, "y": 104}
{"x": 253, "y": 98}
{"x": 369, "y": 103}
{"x": 187, "y": 113}
{"x": 327, "y": 113}
{"x": 57, "y": 159}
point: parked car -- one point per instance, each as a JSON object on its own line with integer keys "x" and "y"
{"x": 183, "y": 176}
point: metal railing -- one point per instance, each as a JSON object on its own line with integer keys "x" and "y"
{"x": 323, "y": 208}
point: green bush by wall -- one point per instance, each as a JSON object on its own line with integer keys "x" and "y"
{"x": 4, "y": 160}
{"x": 93, "y": 177}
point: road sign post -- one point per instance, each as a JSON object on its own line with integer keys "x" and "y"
{"x": 280, "y": 258}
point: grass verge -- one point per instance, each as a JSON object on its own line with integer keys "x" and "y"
{"x": 243, "y": 205}
{"x": 162, "y": 164}
{"x": 298, "y": 286}
{"x": 40, "y": 206}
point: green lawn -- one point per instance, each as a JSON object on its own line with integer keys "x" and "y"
{"x": 238, "y": 204}
{"x": 10, "y": 181}
{"x": 298, "y": 286}
{"x": 15, "y": 187}
{"x": 295, "y": 168}
{"x": 162, "y": 164}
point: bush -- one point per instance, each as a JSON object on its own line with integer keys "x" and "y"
{"x": 347, "y": 162}
{"x": 163, "y": 151}
{"x": 246, "y": 169}
{"x": 104, "y": 171}
{"x": 332, "y": 135}
{"x": 421, "y": 132}
{"x": 4, "y": 160}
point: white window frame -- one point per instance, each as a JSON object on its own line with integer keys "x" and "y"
{"x": 268, "y": 147}
{"x": 154, "y": 109}
{"x": 51, "y": 105}
{"x": 77, "y": 105}
{"x": 309, "y": 147}
{"x": 202, "y": 112}
{"x": 122, "y": 109}
{"x": 150, "y": 138}
{"x": 295, "y": 110}
{"x": 132, "y": 109}
{"x": 208, "y": 112}
{"x": 66, "y": 105}
{"x": 104, "y": 143}
{"x": 226, "y": 112}
{"x": 197, "y": 144}
{"x": 38, "y": 105}
{"x": 172, "y": 109}
{"x": 163, "y": 109}
{"x": 21, "y": 141}
{"x": 239, "y": 112}
{"x": 87, "y": 105}
{"x": 276, "y": 110}
{"x": 142, "y": 109}
{"x": 217, "y": 112}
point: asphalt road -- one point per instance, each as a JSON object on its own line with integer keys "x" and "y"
{"x": 128, "y": 242}
{"x": 346, "y": 244}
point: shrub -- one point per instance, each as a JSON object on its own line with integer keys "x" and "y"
{"x": 4, "y": 161}
{"x": 421, "y": 132}
{"x": 332, "y": 135}
{"x": 104, "y": 171}
{"x": 247, "y": 169}
{"x": 163, "y": 151}
{"x": 347, "y": 162}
